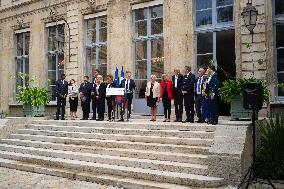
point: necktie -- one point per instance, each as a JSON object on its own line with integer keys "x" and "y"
{"x": 199, "y": 85}
{"x": 127, "y": 86}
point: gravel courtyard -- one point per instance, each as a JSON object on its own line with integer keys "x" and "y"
{"x": 14, "y": 179}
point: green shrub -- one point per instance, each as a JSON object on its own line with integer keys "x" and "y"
{"x": 270, "y": 154}
{"x": 234, "y": 87}
{"x": 33, "y": 94}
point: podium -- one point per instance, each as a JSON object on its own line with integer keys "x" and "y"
{"x": 120, "y": 93}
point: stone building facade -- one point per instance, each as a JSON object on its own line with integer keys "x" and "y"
{"x": 45, "y": 38}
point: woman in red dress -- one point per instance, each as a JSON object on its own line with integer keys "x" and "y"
{"x": 166, "y": 96}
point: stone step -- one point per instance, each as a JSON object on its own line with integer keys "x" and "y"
{"x": 137, "y": 173}
{"x": 131, "y": 125}
{"x": 120, "y": 137}
{"x": 126, "y": 131}
{"x": 112, "y": 160}
{"x": 114, "y": 180}
{"x": 116, "y": 144}
{"x": 132, "y": 153}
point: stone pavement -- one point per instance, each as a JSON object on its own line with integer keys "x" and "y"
{"x": 14, "y": 179}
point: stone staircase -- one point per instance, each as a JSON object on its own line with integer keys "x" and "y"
{"x": 137, "y": 154}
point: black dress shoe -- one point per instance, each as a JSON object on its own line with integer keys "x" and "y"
{"x": 200, "y": 121}
{"x": 62, "y": 118}
{"x": 176, "y": 120}
{"x": 121, "y": 120}
{"x": 56, "y": 119}
{"x": 93, "y": 118}
{"x": 83, "y": 119}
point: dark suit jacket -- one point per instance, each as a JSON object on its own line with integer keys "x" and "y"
{"x": 110, "y": 98}
{"x": 188, "y": 83}
{"x": 86, "y": 89}
{"x": 61, "y": 89}
{"x": 102, "y": 91}
{"x": 131, "y": 87}
{"x": 179, "y": 83}
{"x": 214, "y": 85}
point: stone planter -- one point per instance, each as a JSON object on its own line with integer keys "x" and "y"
{"x": 237, "y": 110}
{"x": 32, "y": 111}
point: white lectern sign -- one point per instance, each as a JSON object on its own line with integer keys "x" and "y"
{"x": 115, "y": 91}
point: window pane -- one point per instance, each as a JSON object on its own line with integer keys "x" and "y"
{"x": 19, "y": 44}
{"x": 103, "y": 22}
{"x": 91, "y": 36}
{"x": 204, "y": 43}
{"x": 103, "y": 34}
{"x": 52, "y": 62}
{"x": 103, "y": 61}
{"x": 203, "y": 60}
{"x": 140, "y": 88}
{"x": 157, "y": 12}
{"x": 224, "y": 2}
{"x": 19, "y": 71}
{"x": 141, "y": 28}
{"x": 157, "y": 26}
{"x": 280, "y": 80}
{"x": 52, "y": 77}
{"x": 157, "y": 67}
{"x": 225, "y": 14}
{"x": 203, "y": 4}
{"x": 141, "y": 69}
{"x": 27, "y": 67}
{"x": 141, "y": 50}
{"x": 91, "y": 24}
{"x": 279, "y": 36}
{"x": 280, "y": 60}
{"x": 51, "y": 90}
{"x": 140, "y": 14}
{"x": 27, "y": 43}
{"x": 204, "y": 17}
{"x": 91, "y": 61}
{"x": 60, "y": 63}
{"x": 52, "y": 38}
{"x": 279, "y": 7}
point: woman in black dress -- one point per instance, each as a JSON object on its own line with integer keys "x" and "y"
{"x": 73, "y": 92}
{"x": 152, "y": 96}
{"x": 101, "y": 96}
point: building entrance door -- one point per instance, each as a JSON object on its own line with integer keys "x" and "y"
{"x": 148, "y": 52}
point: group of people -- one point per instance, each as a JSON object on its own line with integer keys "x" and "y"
{"x": 93, "y": 94}
{"x": 193, "y": 93}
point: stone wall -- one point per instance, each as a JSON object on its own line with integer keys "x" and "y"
{"x": 231, "y": 153}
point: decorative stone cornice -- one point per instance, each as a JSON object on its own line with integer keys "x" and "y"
{"x": 25, "y": 9}
{"x": 21, "y": 26}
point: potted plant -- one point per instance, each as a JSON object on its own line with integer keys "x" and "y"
{"x": 232, "y": 92}
{"x": 281, "y": 87}
{"x": 33, "y": 98}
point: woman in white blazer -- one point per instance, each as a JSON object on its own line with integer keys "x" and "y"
{"x": 152, "y": 96}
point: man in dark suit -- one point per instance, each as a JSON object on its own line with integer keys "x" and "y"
{"x": 178, "y": 96}
{"x": 85, "y": 95}
{"x": 212, "y": 91}
{"x": 129, "y": 86}
{"x": 61, "y": 90}
{"x": 199, "y": 99}
{"x": 187, "y": 90}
